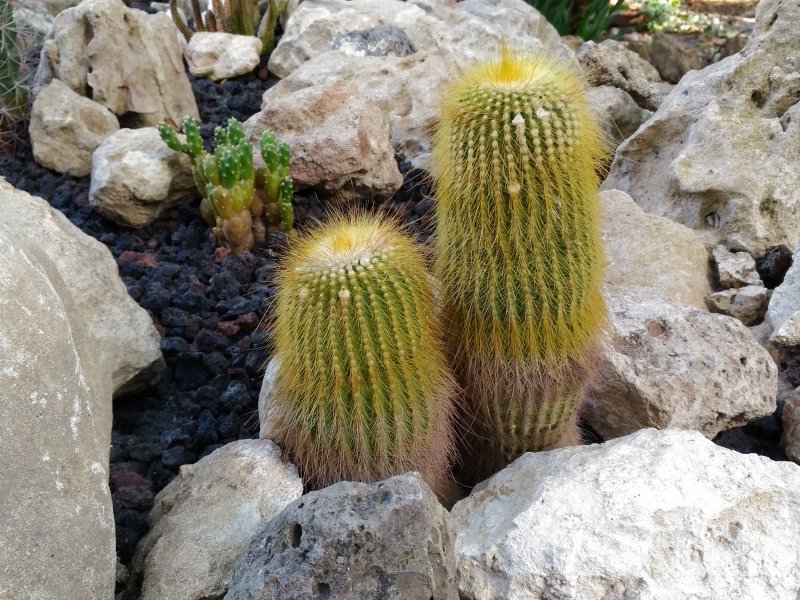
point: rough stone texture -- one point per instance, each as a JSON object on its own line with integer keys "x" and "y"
{"x": 378, "y": 41}
{"x": 773, "y": 265}
{"x": 66, "y": 128}
{"x": 721, "y": 154}
{"x": 658, "y": 515}
{"x": 136, "y": 178}
{"x": 265, "y": 396}
{"x": 785, "y": 301}
{"x": 669, "y": 365}
{"x": 611, "y": 63}
{"x": 407, "y": 90}
{"x": 219, "y": 55}
{"x": 204, "y": 519}
{"x": 735, "y": 269}
{"x": 462, "y": 29}
{"x": 748, "y": 304}
{"x": 390, "y": 539}
{"x": 69, "y": 336}
{"x": 125, "y": 59}
{"x": 620, "y": 115}
{"x": 673, "y": 55}
{"x": 790, "y": 439}
{"x": 788, "y": 334}
{"x": 652, "y": 252}
{"x": 340, "y": 140}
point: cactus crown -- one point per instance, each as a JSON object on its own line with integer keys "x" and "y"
{"x": 363, "y": 390}
{"x": 516, "y": 155}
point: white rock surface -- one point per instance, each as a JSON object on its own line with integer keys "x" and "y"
{"x": 785, "y": 302}
{"x": 735, "y": 269}
{"x": 123, "y": 58}
{"x": 669, "y": 365}
{"x": 788, "y": 334}
{"x": 722, "y": 153}
{"x": 219, "y": 55}
{"x": 462, "y": 29}
{"x": 339, "y": 139}
{"x": 652, "y": 252}
{"x": 790, "y": 439}
{"x": 748, "y": 304}
{"x": 619, "y": 114}
{"x": 136, "y": 178}
{"x": 66, "y": 128}
{"x": 204, "y": 519}
{"x": 658, "y": 515}
{"x": 69, "y": 336}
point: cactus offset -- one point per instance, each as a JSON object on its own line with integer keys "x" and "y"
{"x": 516, "y": 154}
{"x": 363, "y": 390}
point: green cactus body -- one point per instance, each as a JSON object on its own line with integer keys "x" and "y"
{"x": 364, "y": 389}
{"x": 13, "y": 92}
{"x": 519, "y": 254}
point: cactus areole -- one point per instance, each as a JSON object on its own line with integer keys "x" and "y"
{"x": 516, "y": 155}
{"x": 364, "y": 389}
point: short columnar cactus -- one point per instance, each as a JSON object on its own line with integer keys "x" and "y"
{"x": 363, "y": 390}
{"x": 517, "y": 154}
{"x": 239, "y": 201}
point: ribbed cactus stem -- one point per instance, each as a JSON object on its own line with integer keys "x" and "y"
{"x": 364, "y": 390}
{"x": 519, "y": 253}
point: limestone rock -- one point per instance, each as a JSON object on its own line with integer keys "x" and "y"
{"x": 136, "y": 178}
{"x": 657, "y": 515}
{"x": 748, "y": 304}
{"x": 204, "y": 519}
{"x": 69, "y": 336}
{"x": 788, "y": 334}
{"x": 340, "y": 140}
{"x": 785, "y": 301}
{"x": 219, "y": 55}
{"x": 389, "y": 539}
{"x": 674, "y": 54}
{"x": 611, "y": 63}
{"x": 652, "y": 252}
{"x": 66, "y": 128}
{"x": 378, "y": 41}
{"x": 122, "y": 58}
{"x": 790, "y": 439}
{"x": 721, "y": 154}
{"x": 464, "y": 29}
{"x": 670, "y": 365}
{"x": 405, "y": 88}
{"x": 735, "y": 269}
{"x": 620, "y": 115}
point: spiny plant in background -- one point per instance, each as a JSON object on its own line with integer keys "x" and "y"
{"x": 519, "y": 255}
{"x": 240, "y": 202}
{"x": 364, "y": 390}
{"x": 13, "y": 92}
{"x": 242, "y": 17}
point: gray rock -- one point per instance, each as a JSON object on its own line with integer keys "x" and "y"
{"x": 785, "y": 301}
{"x": 674, "y": 54}
{"x": 204, "y": 519}
{"x": 748, "y": 304}
{"x": 378, "y": 41}
{"x": 669, "y": 365}
{"x": 136, "y": 178}
{"x": 390, "y": 539}
{"x": 721, "y": 154}
{"x": 735, "y": 269}
{"x": 66, "y": 128}
{"x": 620, "y": 115}
{"x": 788, "y": 334}
{"x": 790, "y": 439}
{"x": 219, "y": 55}
{"x": 657, "y": 515}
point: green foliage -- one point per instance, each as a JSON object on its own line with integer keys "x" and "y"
{"x": 13, "y": 91}
{"x": 240, "y": 202}
{"x": 588, "y": 19}
{"x": 242, "y": 17}
{"x": 659, "y": 12}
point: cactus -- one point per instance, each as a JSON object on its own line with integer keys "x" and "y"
{"x": 364, "y": 390}
{"x": 13, "y": 92}
{"x": 240, "y": 202}
{"x": 516, "y": 154}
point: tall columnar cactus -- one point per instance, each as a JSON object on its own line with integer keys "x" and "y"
{"x": 240, "y": 201}
{"x": 13, "y": 92}
{"x": 363, "y": 390}
{"x": 516, "y": 156}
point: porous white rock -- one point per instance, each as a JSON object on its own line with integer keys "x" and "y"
{"x": 340, "y": 140}
{"x": 657, "y": 515}
{"x": 785, "y": 303}
{"x": 735, "y": 269}
{"x": 653, "y": 252}
{"x": 790, "y": 438}
{"x": 66, "y": 128}
{"x": 219, "y": 55}
{"x": 748, "y": 304}
{"x": 670, "y": 365}
{"x": 619, "y": 115}
{"x": 721, "y": 154}
{"x": 204, "y": 519}
{"x": 136, "y": 177}
{"x": 788, "y": 334}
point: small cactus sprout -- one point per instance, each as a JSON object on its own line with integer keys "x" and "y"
{"x": 240, "y": 203}
{"x": 517, "y": 154}
{"x": 364, "y": 389}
